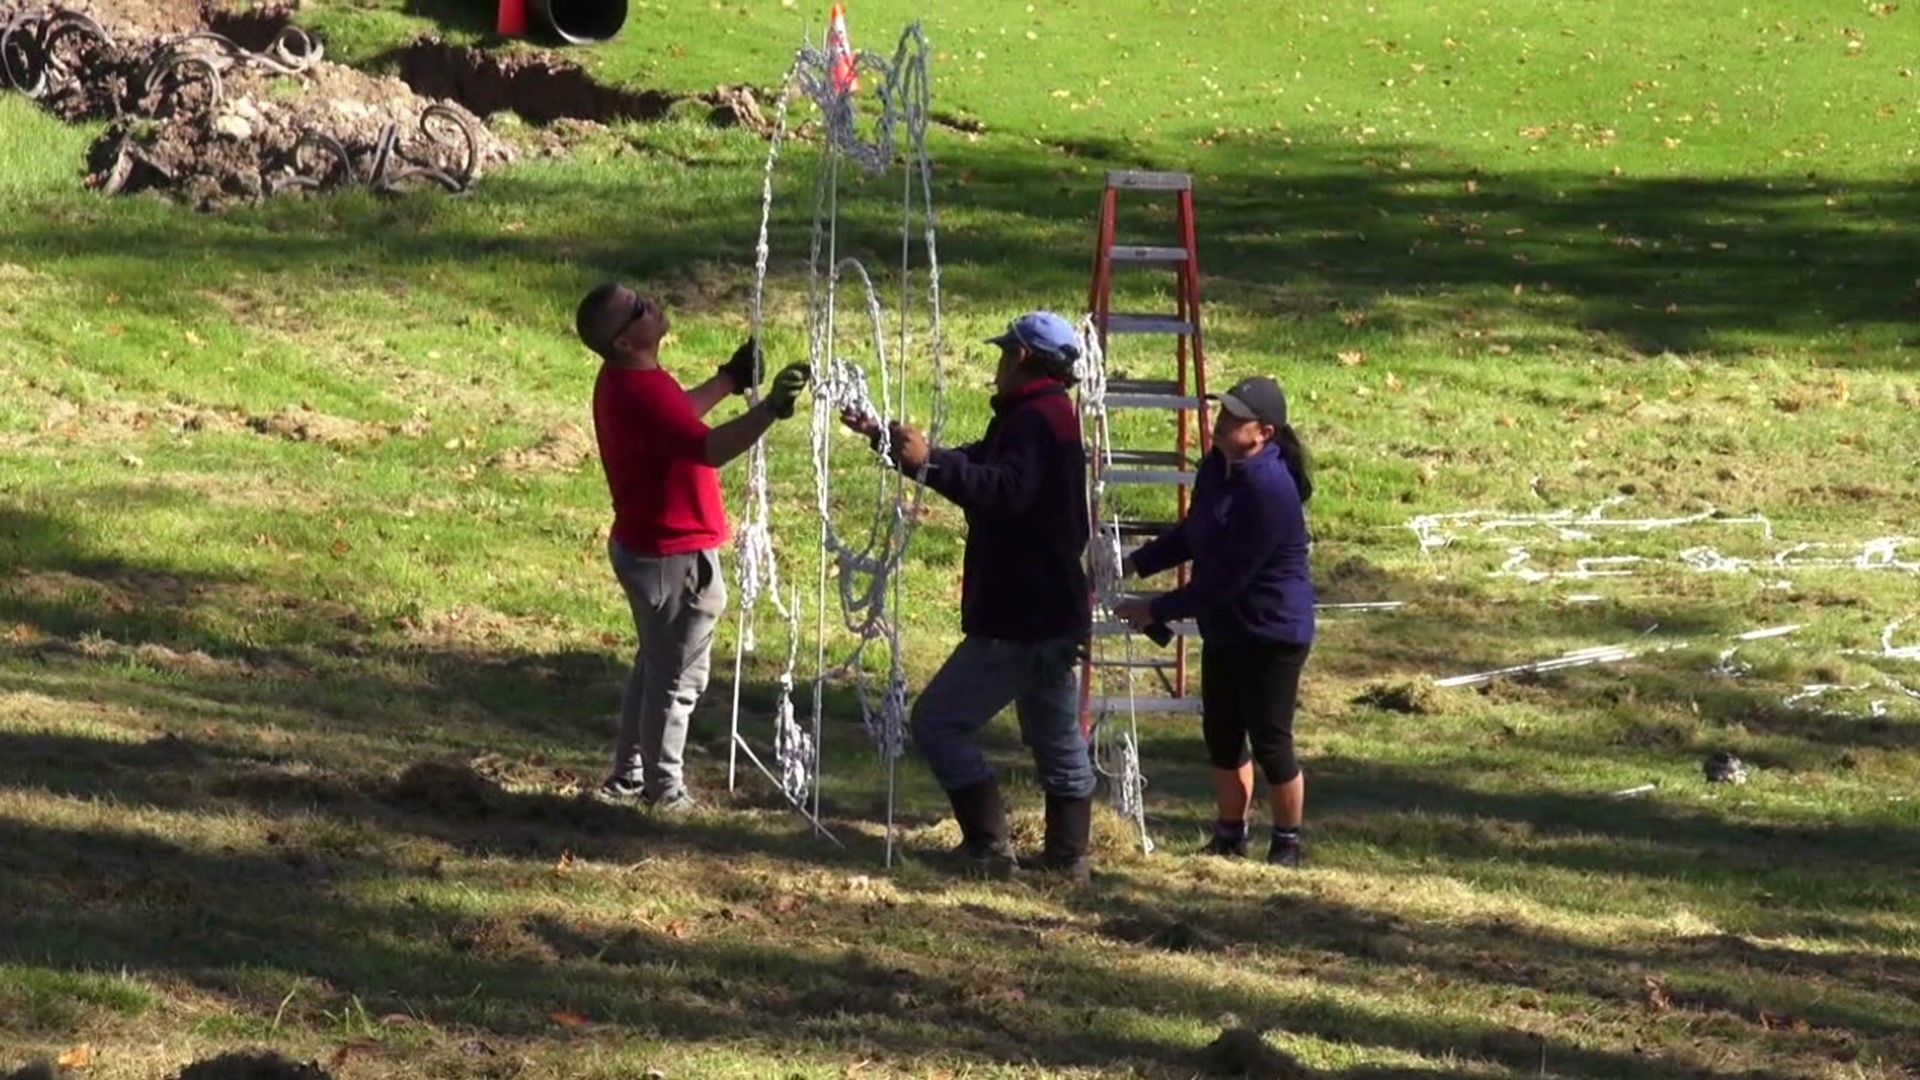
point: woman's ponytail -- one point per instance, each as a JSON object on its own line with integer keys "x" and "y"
{"x": 1298, "y": 463}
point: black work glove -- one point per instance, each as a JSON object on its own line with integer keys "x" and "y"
{"x": 739, "y": 367}
{"x": 786, "y": 389}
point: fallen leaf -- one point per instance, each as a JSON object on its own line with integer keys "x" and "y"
{"x": 677, "y": 929}
{"x": 131, "y": 461}
{"x": 563, "y": 865}
{"x": 77, "y": 1058}
{"x": 357, "y": 1046}
{"x": 569, "y": 1018}
{"x": 1353, "y": 358}
{"x": 1656, "y": 994}
{"x": 1392, "y": 381}
{"x": 397, "y": 1020}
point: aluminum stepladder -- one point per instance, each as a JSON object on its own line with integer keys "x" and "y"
{"x": 1184, "y": 395}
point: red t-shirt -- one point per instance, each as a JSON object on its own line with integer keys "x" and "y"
{"x": 666, "y": 498}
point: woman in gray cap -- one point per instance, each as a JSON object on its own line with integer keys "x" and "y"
{"x": 1250, "y": 591}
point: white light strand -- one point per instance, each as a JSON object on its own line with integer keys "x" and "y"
{"x": 1116, "y": 754}
{"x": 864, "y": 573}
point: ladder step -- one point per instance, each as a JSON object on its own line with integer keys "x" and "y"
{"x": 1150, "y": 181}
{"x": 1148, "y": 324}
{"x": 1147, "y": 476}
{"x": 1143, "y": 386}
{"x": 1118, "y": 706}
{"x": 1143, "y": 254}
{"x": 1149, "y": 458}
{"x": 1151, "y": 401}
{"x": 1144, "y": 528}
{"x": 1184, "y": 628}
{"x": 1151, "y": 662}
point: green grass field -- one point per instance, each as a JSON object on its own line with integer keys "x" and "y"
{"x": 307, "y": 637}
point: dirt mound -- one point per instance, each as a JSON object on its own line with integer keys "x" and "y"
{"x": 202, "y": 118}
{"x": 563, "y": 447}
{"x": 1406, "y": 696}
{"x": 254, "y": 1066}
{"x": 305, "y": 425}
{"x": 66, "y": 418}
{"x": 445, "y": 789}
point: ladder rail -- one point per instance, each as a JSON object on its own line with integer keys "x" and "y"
{"x": 1188, "y": 401}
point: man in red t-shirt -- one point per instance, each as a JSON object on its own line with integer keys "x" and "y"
{"x": 662, "y": 464}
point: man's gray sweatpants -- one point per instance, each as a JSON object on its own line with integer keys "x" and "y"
{"x": 677, "y": 600}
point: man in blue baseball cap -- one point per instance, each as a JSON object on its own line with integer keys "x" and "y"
{"x": 1023, "y": 598}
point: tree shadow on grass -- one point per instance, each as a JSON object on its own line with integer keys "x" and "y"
{"x": 1726, "y": 989}
{"x": 1303, "y": 234}
{"x": 795, "y": 970}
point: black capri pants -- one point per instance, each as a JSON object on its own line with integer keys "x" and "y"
{"x": 1248, "y": 693}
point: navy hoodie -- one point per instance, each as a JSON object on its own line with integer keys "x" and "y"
{"x": 1246, "y": 534}
{"x": 1024, "y": 489}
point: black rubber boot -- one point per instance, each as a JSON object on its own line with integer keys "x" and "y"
{"x": 1069, "y": 833}
{"x": 985, "y": 838}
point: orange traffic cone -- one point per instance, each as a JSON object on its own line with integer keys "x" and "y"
{"x": 840, "y": 52}
{"x": 512, "y": 20}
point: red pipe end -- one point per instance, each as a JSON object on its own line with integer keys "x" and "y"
{"x": 513, "y": 18}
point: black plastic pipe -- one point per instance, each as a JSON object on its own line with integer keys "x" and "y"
{"x": 583, "y": 22}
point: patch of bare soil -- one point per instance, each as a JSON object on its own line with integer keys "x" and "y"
{"x": 298, "y": 423}
{"x": 119, "y": 417}
{"x": 478, "y": 631}
{"x": 301, "y": 424}
{"x": 153, "y": 655}
{"x": 562, "y": 448}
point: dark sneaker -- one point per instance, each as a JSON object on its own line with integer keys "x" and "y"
{"x": 1284, "y": 851}
{"x": 616, "y": 789}
{"x": 1226, "y": 847}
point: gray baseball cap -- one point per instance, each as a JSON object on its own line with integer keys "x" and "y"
{"x": 1257, "y": 398}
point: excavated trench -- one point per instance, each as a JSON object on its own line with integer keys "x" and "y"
{"x": 542, "y": 88}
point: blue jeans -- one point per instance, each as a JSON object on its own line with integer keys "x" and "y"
{"x": 1041, "y": 680}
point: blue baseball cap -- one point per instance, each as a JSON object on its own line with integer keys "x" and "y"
{"x": 1042, "y": 332}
